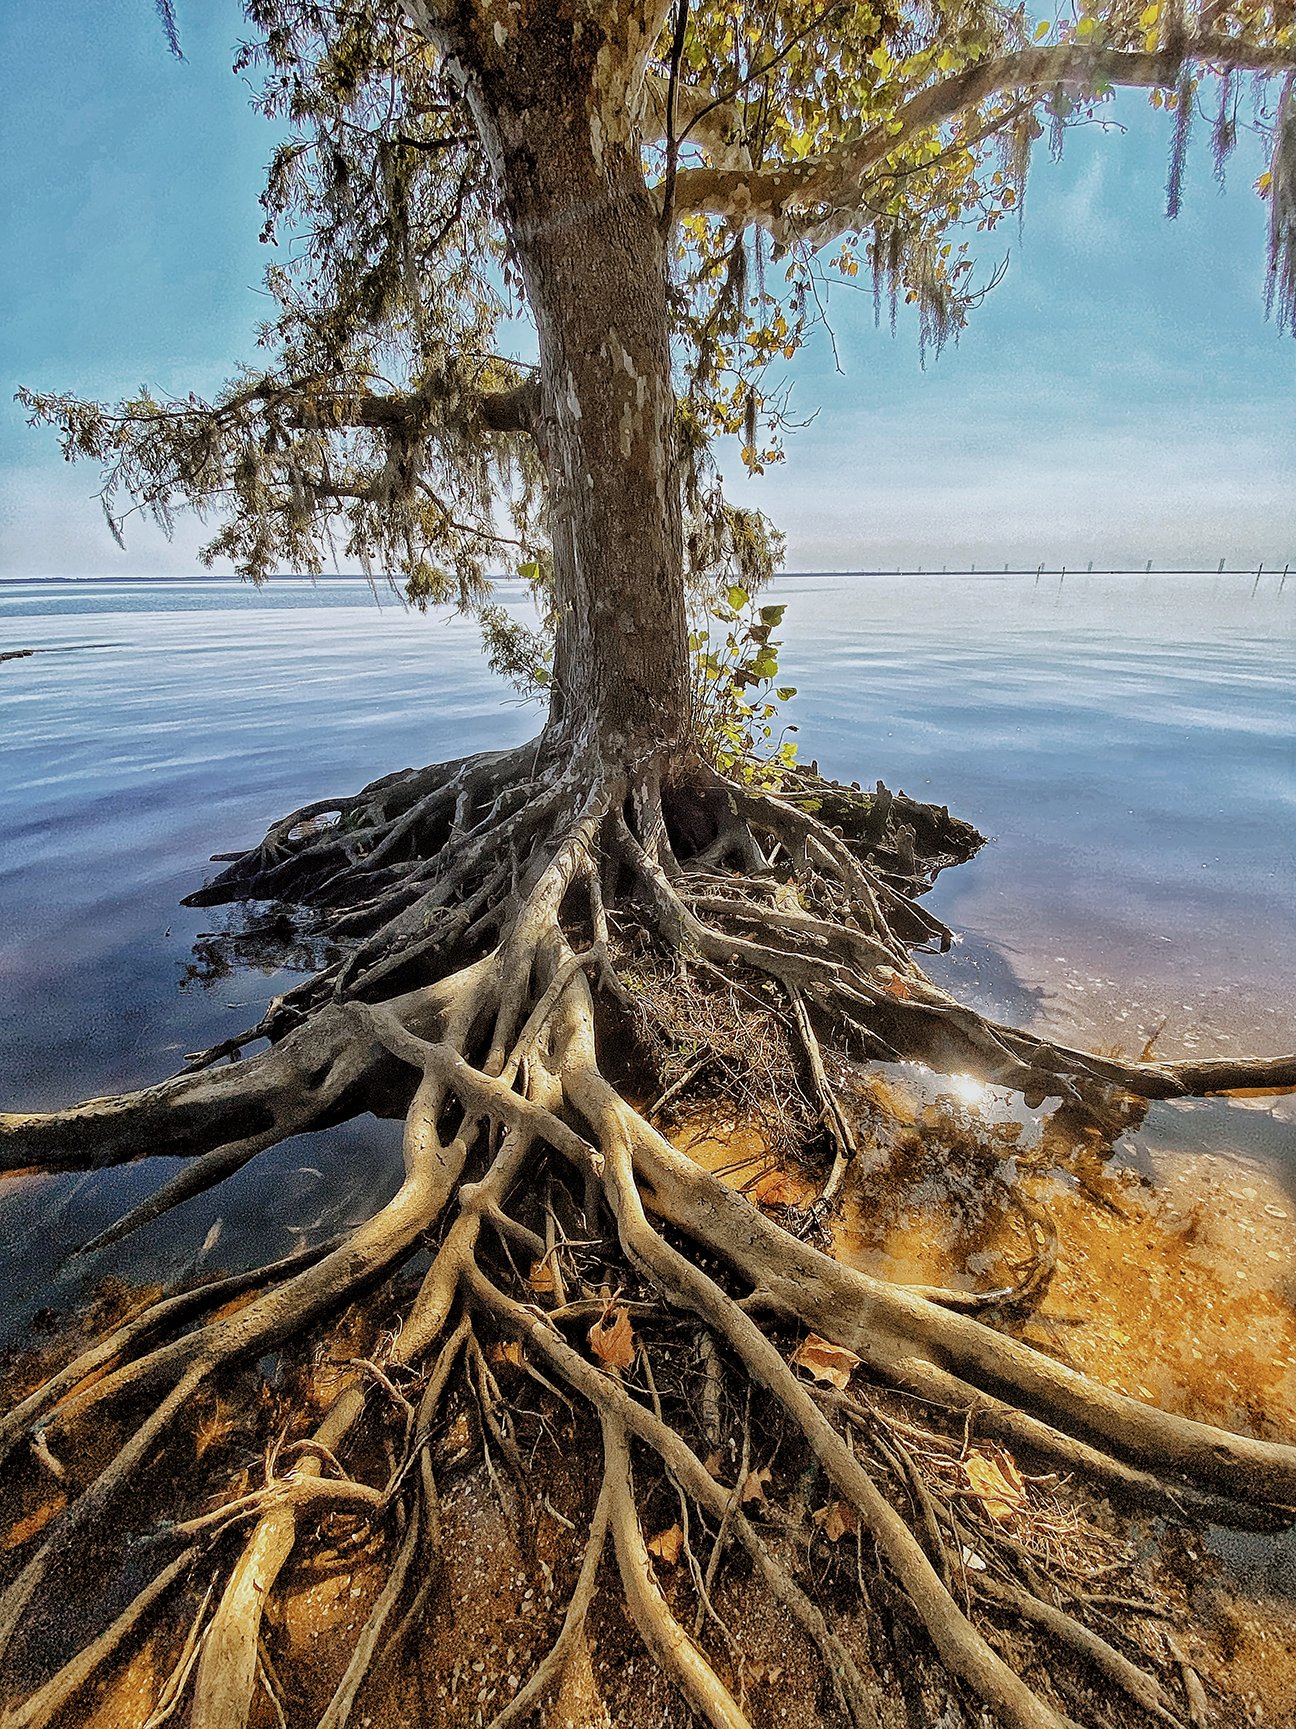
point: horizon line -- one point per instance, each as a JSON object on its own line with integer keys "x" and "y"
{"x": 1150, "y": 568}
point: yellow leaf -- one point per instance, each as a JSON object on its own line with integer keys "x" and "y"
{"x": 753, "y": 1488}
{"x": 668, "y": 1545}
{"x": 997, "y": 1483}
{"x": 825, "y": 1361}
{"x": 213, "y": 1428}
{"x": 612, "y": 1339}
{"x": 1264, "y": 183}
{"x": 836, "y": 1521}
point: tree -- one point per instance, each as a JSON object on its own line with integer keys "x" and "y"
{"x": 663, "y": 187}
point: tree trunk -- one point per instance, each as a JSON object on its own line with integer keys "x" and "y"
{"x": 594, "y": 262}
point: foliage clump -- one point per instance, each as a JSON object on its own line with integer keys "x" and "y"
{"x": 736, "y": 693}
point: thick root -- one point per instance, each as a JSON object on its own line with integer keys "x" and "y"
{"x": 488, "y": 904}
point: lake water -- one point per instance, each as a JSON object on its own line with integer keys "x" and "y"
{"x": 1127, "y": 743}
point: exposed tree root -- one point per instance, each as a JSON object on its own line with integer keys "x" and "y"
{"x": 492, "y": 913}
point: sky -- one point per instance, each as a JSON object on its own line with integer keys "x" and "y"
{"x": 1119, "y": 398}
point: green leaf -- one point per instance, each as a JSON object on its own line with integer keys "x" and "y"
{"x": 772, "y": 616}
{"x": 737, "y": 598}
{"x": 785, "y": 692}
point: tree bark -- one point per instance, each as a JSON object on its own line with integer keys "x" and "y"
{"x": 548, "y": 96}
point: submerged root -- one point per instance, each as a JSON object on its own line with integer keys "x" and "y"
{"x": 497, "y": 912}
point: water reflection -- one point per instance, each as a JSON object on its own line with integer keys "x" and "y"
{"x": 301, "y": 1192}
{"x": 1168, "y": 1229}
{"x": 268, "y": 939}
{"x": 1127, "y": 743}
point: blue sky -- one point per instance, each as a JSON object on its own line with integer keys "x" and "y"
{"x": 1120, "y": 397}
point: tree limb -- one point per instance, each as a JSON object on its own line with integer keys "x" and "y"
{"x": 510, "y": 410}
{"x": 834, "y": 179}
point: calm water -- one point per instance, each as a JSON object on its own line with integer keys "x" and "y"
{"x": 1128, "y": 743}
{"x": 1129, "y": 746}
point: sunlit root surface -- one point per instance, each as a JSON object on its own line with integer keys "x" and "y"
{"x": 755, "y": 1330}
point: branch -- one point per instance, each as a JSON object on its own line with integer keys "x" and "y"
{"x": 304, "y": 403}
{"x": 672, "y": 139}
{"x": 510, "y": 410}
{"x": 834, "y": 179}
{"x": 634, "y": 28}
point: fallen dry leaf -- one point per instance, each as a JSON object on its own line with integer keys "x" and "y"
{"x": 612, "y": 1339}
{"x": 896, "y": 987}
{"x": 836, "y": 1521}
{"x": 998, "y": 1484}
{"x": 825, "y": 1361}
{"x": 753, "y": 1488}
{"x": 668, "y": 1545}
{"x": 541, "y": 1279}
{"x": 509, "y": 1351}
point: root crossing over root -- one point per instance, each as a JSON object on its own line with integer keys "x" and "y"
{"x": 492, "y": 913}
